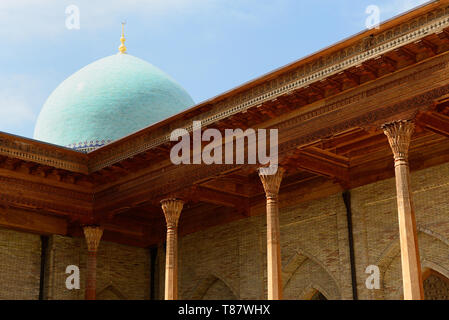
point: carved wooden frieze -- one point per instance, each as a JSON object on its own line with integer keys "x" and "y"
{"x": 22, "y": 193}
{"x": 301, "y": 76}
{"x": 35, "y": 151}
{"x": 180, "y": 177}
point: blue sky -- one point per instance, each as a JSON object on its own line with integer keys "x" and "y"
{"x": 208, "y": 46}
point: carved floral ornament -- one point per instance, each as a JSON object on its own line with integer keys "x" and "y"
{"x": 172, "y": 210}
{"x": 93, "y": 235}
{"x": 271, "y": 178}
{"x": 399, "y": 135}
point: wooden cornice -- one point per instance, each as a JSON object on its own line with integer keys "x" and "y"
{"x": 328, "y": 108}
{"x": 371, "y": 44}
{"x": 42, "y": 153}
{"x": 394, "y": 34}
{"x": 31, "y": 221}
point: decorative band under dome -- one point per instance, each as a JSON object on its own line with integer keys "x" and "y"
{"x": 88, "y": 146}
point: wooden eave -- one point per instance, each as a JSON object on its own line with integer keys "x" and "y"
{"x": 330, "y": 141}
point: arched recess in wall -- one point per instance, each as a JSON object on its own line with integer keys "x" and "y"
{"x": 436, "y": 285}
{"x": 434, "y": 250}
{"x": 313, "y": 293}
{"x": 110, "y": 292}
{"x": 305, "y": 278}
{"x": 213, "y": 288}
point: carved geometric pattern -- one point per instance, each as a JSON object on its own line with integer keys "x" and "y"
{"x": 88, "y": 146}
{"x": 61, "y": 158}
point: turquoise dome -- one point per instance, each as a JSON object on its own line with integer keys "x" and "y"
{"x": 107, "y": 100}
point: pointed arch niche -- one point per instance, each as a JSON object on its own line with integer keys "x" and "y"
{"x": 305, "y": 278}
{"x": 110, "y": 293}
{"x": 213, "y": 288}
{"x": 434, "y": 250}
{"x": 436, "y": 285}
{"x": 313, "y": 294}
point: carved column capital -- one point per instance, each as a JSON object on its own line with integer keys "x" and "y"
{"x": 172, "y": 210}
{"x": 271, "y": 178}
{"x": 93, "y": 235}
{"x": 399, "y": 135}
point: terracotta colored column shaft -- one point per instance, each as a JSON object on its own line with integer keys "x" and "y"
{"x": 399, "y": 134}
{"x": 93, "y": 235}
{"x": 271, "y": 181}
{"x": 172, "y": 210}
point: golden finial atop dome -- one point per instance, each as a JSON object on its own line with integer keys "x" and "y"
{"x": 122, "y": 47}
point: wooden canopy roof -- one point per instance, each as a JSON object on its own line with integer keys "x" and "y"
{"x": 328, "y": 108}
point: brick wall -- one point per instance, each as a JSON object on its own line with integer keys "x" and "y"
{"x": 123, "y": 272}
{"x": 20, "y": 256}
{"x": 229, "y": 261}
{"x": 314, "y": 245}
{"x": 376, "y": 229}
{"x": 314, "y": 255}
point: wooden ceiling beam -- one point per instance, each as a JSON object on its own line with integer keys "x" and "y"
{"x": 407, "y": 53}
{"x": 367, "y": 142}
{"x": 211, "y": 196}
{"x": 124, "y": 227}
{"x": 434, "y": 122}
{"x": 443, "y": 35}
{"x": 328, "y": 156}
{"x": 295, "y": 178}
{"x": 297, "y": 98}
{"x": 351, "y": 77}
{"x": 370, "y": 69}
{"x": 393, "y": 64}
{"x": 343, "y": 139}
{"x": 316, "y": 90}
{"x": 269, "y": 112}
{"x": 31, "y": 221}
{"x": 318, "y": 165}
{"x": 333, "y": 83}
{"x": 429, "y": 45}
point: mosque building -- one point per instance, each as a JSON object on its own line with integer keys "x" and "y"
{"x": 358, "y": 207}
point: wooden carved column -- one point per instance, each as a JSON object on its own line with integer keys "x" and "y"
{"x": 93, "y": 235}
{"x": 172, "y": 210}
{"x": 399, "y": 134}
{"x": 271, "y": 181}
